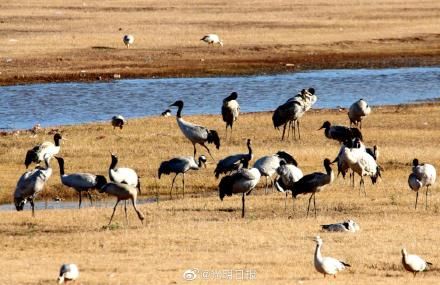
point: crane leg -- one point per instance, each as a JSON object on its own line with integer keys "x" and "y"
{"x": 140, "y": 215}
{"x": 125, "y": 210}
{"x": 207, "y": 150}
{"x": 183, "y": 182}
{"x": 226, "y": 133}
{"x": 172, "y": 185}
{"x": 299, "y": 133}
{"x": 33, "y": 207}
{"x": 417, "y": 197}
{"x": 288, "y": 129}
{"x": 426, "y": 201}
{"x": 114, "y": 209}
{"x": 79, "y": 194}
{"x": 285, "y": 202}
{"x": 195, "y": 151}
{"x": 314, "y": 203}
{"x": 284, "y": 131}
{"x": 242, "y": 206}
{"x": 265, "y": 190}
{"x": 90, "y": 197}
{"x": 310, "y": 200}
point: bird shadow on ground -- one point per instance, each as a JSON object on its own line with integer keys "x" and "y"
{"x": 102, "y": 47}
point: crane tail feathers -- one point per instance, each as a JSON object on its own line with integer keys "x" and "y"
{"x": 214, "y": 138}
{"x": 225, "y": 186}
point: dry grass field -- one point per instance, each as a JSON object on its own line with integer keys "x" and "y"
{"x": 202, "y": 232}
{"x": 54, "y": 40}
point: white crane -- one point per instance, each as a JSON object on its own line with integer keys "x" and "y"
{"x": 30, "y": 184}
{"x": 68, "y": 272}
{"x": 357, "y": 111}
{"x": 233, "y": 162}
{"x": 242, "y": 181}
{"x": 37, "y": 153}
{"x": 81, "y": 182}
{"x": 196, "y": 134}
{"x": 327, "y": 265}
{"x": 267, "y": 165}
{"x": 413, "y": 263}
{"x": 118, "y": 121}
{"x": 128, "y": 40}
{"x": 288, "y": 174}
{"x": 345, "y": 226}
{"x": 179, "y": 165}
{"x": 422, "y": 175}
{"x": 123, "y": 174}
{"x": 122, "y": 192}
{"x": 230, "y": 110}
{"x": 363, "y": 164}
{"x": 313, "y": 183}
{"x": 212, "y": 39}
{"x": 340, "y": 133}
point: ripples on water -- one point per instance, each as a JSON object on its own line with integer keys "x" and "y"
{"x": 71, "y": 103}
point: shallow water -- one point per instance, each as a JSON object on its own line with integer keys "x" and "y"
{"x": 52, "y": 104}
{"x": 46, "y": 205}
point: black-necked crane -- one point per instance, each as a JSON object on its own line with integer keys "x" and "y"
{"x": 230, "y": 110}
{"x": 242, "y": 181}
{"x": 68, "y": 272}
{"x": 345, "y": 226}
{"x": 212, "y": 39}
{"x": 422, "y": 175}
{"x": 166, "y": 113}
{"x": 122, "y": 192}
{"x": 414, "y": 263}
{"x": 81, "y": 182}
{"x": 313, "y": 183}
{"x": 196, "y": 134}
{"x": 37, "y": 153}
{"x": 327, "y": 265}
{"x": 340, "y": 133}
{"x": 288, "y": 174}
{"x": 123, "y": 174}
{"x": 267, "y": 165}
{"x": 357, "y": 111}
{"x": 128, "y": 40}
{"x": 118, "y": 121}
{"x": 180, "y": 165}
{"x": 233, "y": 162}
{"x": 30, "y": 184}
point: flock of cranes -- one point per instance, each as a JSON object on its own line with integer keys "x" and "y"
{"x": 237, "y": 178}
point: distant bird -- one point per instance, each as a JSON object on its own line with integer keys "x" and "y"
{"x": 422, "y": 175}
{"x": 68, "y": 272}
{"x": 340, "y": 133}
{"x": 233, "y": 162}
{"x": 128, "y": 40}
{"x": 230, "y": 110}
{"x": 358, "y": 110}
{"x": 242, "y": 181}
{"x": 327, "y": 265}
{"x": 288, "y": 174}
{"x": 166, "y": 113}
{"x": 122, "y": 192}
{"x": 212, "y": 39}
{"x": 267, "y": 165}
{"x": 180, "y": 165}
{"x": 313, "y": 183}
{"x": 30, "y": 184}
{"x": 123, "y": 174}
{"x": 363, "y": 164}
{"x": 196, "y": 134}
{"x": 345, "y": 226}
{"x": 413, "y": 263}
{"x": 81, "y": 182}
{"x": 118, "y": 121}
{"x": 292, "y": 110}
{"x": 37, "y": 153}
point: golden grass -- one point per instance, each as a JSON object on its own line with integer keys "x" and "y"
{"x": 202, "y": 232}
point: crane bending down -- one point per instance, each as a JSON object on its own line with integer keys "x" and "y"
{"x": 233, "y": 162}
{"x": 196, "y": 134}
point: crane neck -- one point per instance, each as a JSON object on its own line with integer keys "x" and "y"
{"x": 61, "y": 164}
{"x": 113, "y": 163}
{"x": 318, "y": 255}
{"x": 179, "y": 112}
{"x": 250, "y": 151}
{"x": 57, "y": 141}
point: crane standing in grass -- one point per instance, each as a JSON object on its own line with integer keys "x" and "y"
{"x": 180, "y": 165}
{"x": 196, "y": 134}
{"x": 233, "y": 162}
{"x": 122, "y": 192}
{"x": 422, "y": 175}
{"x": 68, "y": 272}
{"x": 128, "y": 40}
{"x": 327, "y": 265}
{"x": 118, "y": 121}
{"x": 357, "y": 111}
{"x": 123, "y": 174}
{"x": 230, "y": 110}
{"x": 81, "y": 182}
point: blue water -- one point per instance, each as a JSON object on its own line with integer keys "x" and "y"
{"x": 23, "y": 106}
